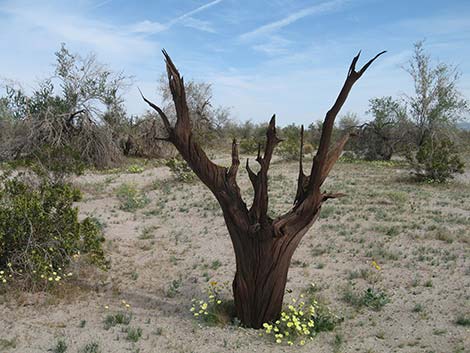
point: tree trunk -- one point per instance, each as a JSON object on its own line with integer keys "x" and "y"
{"x": 263, "y": 246}
{"x": 259, "y": 283}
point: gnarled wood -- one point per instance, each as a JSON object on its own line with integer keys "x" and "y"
{"x": 263, "y": 247}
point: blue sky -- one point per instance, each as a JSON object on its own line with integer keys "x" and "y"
{"x": 262, "y": 57}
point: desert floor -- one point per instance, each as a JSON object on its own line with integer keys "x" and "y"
{"x": 165, "y": 254}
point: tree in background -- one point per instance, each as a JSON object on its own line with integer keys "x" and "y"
{"x": 381, "y": 137}
{"x": 208, "y": 121}
{"x": 75, "y": 109}
{"x": 434, "y": 109}
{"x": 437, "y": 104}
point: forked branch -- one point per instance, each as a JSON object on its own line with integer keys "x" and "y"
{"x": 222, "y": 181}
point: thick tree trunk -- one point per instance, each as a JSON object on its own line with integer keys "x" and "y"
{"x": 260, "y": 282}
{"x": 263, "y": 262}
{"x": 259, "y": 299}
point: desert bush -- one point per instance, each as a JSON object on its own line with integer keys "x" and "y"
{"x": 308, "y": 148}
{"x": 40, "y": 234}
{"x": 289, "y": 149}
{"x": 371, "y": 297}
{"x": 141, "y": 137}
{"x": 130, "y": 198}
{"x": 180, "y": 170}
{"x": 248, "y": 145}
{"x": 436, "y": 160}
{"x": 77, "y": 108}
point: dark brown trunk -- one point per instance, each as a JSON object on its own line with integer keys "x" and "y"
{"x": 263, "y": 247}
{"x": 260, "y": 282}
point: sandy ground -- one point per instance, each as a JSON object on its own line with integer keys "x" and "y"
{"x": 165, "y": 254}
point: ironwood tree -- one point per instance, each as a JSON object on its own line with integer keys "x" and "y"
{"x": 263, "y": 246}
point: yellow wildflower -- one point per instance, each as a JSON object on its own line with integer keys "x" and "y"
{"x": 377, "y": 267}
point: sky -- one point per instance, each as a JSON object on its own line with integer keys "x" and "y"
{"x": 261, "y": 57}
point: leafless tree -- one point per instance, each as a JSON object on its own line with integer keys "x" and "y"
{"x": 263, "y": 246}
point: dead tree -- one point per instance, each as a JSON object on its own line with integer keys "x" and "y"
{"x": 263, "y": 246}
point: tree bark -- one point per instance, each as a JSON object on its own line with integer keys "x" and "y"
{"x": 263, "y": 246}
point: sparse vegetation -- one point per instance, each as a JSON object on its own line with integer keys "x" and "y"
{"x": 170, "y": 243}
{"x": 130, "y": 198}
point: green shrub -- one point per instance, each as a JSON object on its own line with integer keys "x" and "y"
{"x": 249, "y": 145}
{"x": 436, "y": 160}
{"x": 134, "y": 334}
{"x": 289, "y": 149}
{"x": 40, "y": 233}
{"x": 181, "y": 170}
{"x": 120, "y": 318}
{"x": 371, "y": 298}
{"x": 60, "y": 347}
{"x": 463, "y": 320}
{"x": 130, "y": 197}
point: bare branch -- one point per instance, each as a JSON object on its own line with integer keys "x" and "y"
{"x": 326, "y": 196}
{"x": 327, "y": 129}
{"x": 232, "y": 172}
{"x": 259, "y": 209}
{"x": 301, "y": 180}
{"x": 333, "y": 155}
{"x": 160, "y": 112}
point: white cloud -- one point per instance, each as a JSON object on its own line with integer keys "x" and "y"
{"x": 55, "y": 24}
{"x": 198, "y": 24}
{"x": 274, "y": 45}
{"x": 148, "y": 27}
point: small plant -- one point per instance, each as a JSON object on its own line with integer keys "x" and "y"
{"x": 60, "y": 347}
{"x": 7, "y": 343}
{"x": 181, "y": 170}
{"x": 135, "y": 169}
{"x": 134, "y": 334}
{"x": 92, "y": 347}
{"x": 463, "y": 320}
{"x": 120, "y": 318}
{"x": 375, "y": 299}
{"x": 370, "y": 297}
{"x": 130, "y": 197}
{"x": 174, "y": 288}
{"x": 212, "y": 310}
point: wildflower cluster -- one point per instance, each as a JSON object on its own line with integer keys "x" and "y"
{"x": 211, "y": 310}
{"x": 5, "y": 276}
{"x": 296, "y": 324}
{"x": 303, "y": 319}
{"x": 135, "y": 169}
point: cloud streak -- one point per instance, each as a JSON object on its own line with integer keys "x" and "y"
{"x": 186, "y": 19}
{"x": 195, "y": 11}
{"x": 322, "y": 8}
